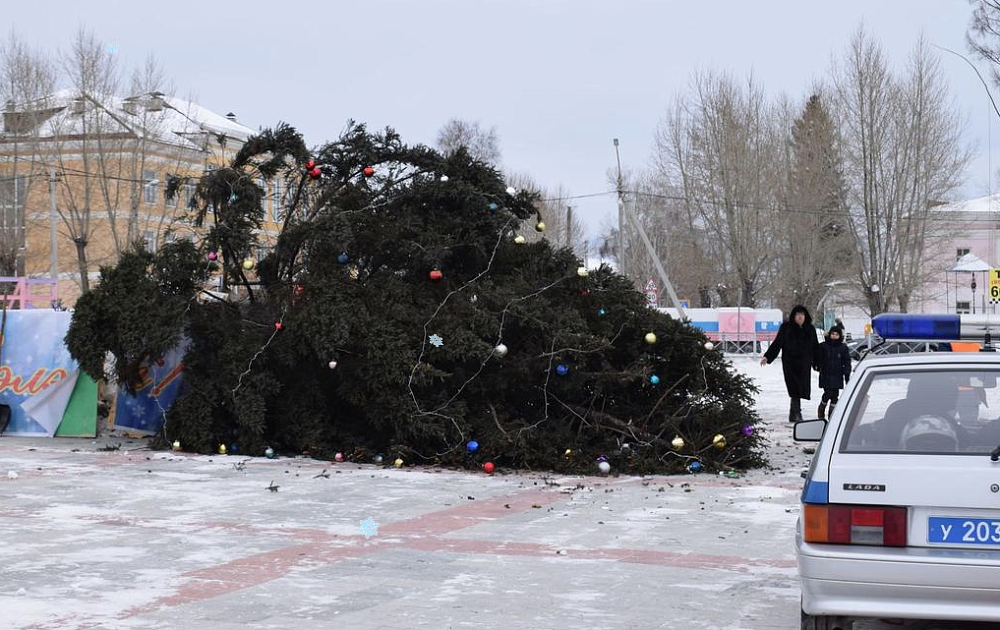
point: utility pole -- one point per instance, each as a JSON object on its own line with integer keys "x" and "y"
{"x": 53, "y": 233}
{"x": 621, "y": 215}
{"x": 569, "y": 224}
{"x": 645, "y": 241}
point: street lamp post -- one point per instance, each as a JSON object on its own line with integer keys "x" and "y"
{"x": 973, "y": 285}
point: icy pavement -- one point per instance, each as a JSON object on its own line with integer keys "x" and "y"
{"x": 140, "y": 540}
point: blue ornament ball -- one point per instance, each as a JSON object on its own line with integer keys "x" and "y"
{"x": 493, "y": 206}
{"x": 562, "y": 369}
{"x": 232, "y": 448}
{"x": 654, "y": 379}
{"x": 694, "y": 467}
{"x": 601, "y": 312}
{"x": 473, "y": 446}
{"x": 342, "y": 258}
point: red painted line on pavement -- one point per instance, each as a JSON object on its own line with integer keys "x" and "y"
{"x": 634, "y": 556}
{"x": 472, "y": 513}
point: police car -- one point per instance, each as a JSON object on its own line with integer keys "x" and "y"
{"x": 901, "y": 505}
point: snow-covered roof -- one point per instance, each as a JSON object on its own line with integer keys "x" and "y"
{"x": 155, "y": 116}
{"x": 989, "y": 203}
{"x": 969, "y": 262}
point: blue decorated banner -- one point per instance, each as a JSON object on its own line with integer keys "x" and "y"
{"x": 162, "y": 382}
{"x": 37, "y": 375}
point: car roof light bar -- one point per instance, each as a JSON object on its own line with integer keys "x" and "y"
{"x": 947, "y": 327}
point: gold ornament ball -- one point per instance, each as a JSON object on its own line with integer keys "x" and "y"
{"x": 519, "y": 239}
{"x": 398, "y": 463}
{"x": 719, "y": 441}
{"x": 177, "y": 445}
{"x": 650, "y": 338}
{"x": 677, "y": 443}
{"x": 582, "y": 272}
{"x": 540, "y": 226}
{"x": 222, "y": 449}
{"x": 249, "y": 264}
{"x": 569, "y": 452}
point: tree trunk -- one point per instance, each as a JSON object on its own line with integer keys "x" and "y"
{"x": 81, "y": 260}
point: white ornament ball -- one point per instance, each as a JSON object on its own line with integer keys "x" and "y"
{"x": 501, "y": 350}
{"x": 444, "y": 178}
{"x": 511, "y": 190}
{"x": 604, "y": 467}
{"x": 582, "y": 272}
{"x": 332, "y": 365}
{"x": 519, "y": 239}
{"x": 709, "y": 345}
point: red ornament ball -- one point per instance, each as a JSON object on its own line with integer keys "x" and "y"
{"x": 435, "y": 274}
{"x": 310, "y": 164}
{"x": 314, "y": 172}
{"x": 489, "y": 468}
{"x": 298, "y": 289}
{"x": 584, "y": 292}
{"x": 212, "y": 255}
{"x": 369, "y": 171}
{"x": 277, "y": 326}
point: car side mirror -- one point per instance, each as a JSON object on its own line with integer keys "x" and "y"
{"x": 809, "y": 430}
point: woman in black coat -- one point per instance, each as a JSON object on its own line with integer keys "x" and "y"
{"x": 799, "y": 348}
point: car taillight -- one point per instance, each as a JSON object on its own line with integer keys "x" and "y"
{"x": 855, "y": 525}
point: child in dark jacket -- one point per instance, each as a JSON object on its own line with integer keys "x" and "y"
{"x": 834, "y": 365}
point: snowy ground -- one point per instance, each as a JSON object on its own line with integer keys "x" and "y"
{"x": 141, "y": 540}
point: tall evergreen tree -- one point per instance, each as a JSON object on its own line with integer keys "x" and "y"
{"x": 816, "y": 247}
{"x": 329, "y": 342}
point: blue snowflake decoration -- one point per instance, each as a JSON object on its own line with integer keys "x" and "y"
{"x": 368, "y": 528}
{"x": 113, "y": 48}
{"x": 436, "y": 340}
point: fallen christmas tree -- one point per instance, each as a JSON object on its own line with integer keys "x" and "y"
{"x": 398, "y": 312}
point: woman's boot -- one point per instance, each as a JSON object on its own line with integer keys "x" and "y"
{"x": 795, "y": 411}
{"x": 822, "y": 410}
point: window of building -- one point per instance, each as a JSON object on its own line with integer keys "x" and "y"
{"x": 150, "y": 184}
{"x": 963, "y": 307}
{"x": 277, "y": 202}
{"x": 961, "y": 251}
{"x": 150, "y": 240}
{"x": 188, "y": 194}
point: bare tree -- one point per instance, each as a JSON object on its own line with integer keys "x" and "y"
{"x": 482, "y": 144}
{"x": 27, "y": 78}
{"x": 984, "y": 34}
{"x": 720, "y": 148}
{"x": 79, "y": 140}
{"x": 901, "y": 142}
{"x": 552, "y": 211}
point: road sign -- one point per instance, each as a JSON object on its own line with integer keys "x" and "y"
{"x": 652, "y": 293}
{"x": 994, "y": 285}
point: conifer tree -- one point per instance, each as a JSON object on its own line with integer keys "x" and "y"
{"x": 398, "y": 313}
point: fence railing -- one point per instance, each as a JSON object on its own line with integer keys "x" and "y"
{"x": 28, "y": 293}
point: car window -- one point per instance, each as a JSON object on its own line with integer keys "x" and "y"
{"x": 926, "y": 412}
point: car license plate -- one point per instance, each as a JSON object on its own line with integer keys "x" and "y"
{"x": 963, "y": 531}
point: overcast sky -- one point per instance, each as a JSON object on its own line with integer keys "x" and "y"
{"x": 559, "y": 78}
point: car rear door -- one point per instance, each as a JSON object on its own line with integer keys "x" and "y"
{"x": 952, "y": 500}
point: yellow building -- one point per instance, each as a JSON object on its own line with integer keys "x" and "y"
{"x": 88, "y": 173}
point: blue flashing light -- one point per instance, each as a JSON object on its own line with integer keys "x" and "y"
{"x": 817, "y": 492}
{"x": 916, "y": 326}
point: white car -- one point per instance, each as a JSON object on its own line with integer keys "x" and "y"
{"x": 901, "y": 506}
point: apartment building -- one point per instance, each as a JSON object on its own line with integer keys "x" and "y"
{"x": 82, "y": 176}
